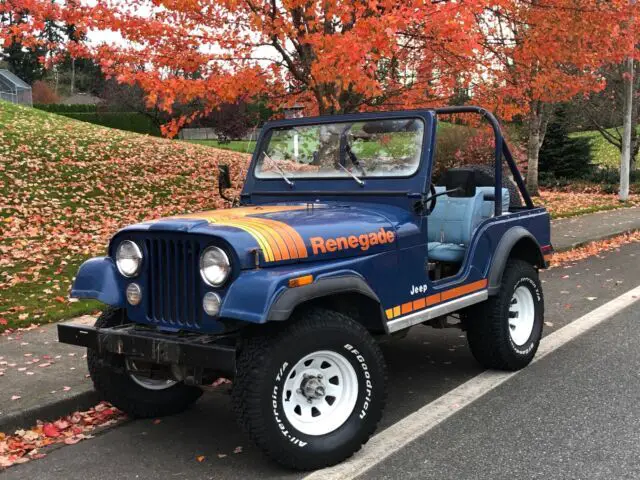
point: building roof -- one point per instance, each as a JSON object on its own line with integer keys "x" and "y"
{"x": 17, "y": 82}
{"x": 81, "y": 99}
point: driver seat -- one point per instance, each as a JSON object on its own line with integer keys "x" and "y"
{"x": 451, "y": 225}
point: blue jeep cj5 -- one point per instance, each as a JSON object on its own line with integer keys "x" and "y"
{"x": 348, "y": 230}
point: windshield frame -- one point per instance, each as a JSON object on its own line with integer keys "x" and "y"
{"x": 270, "y": 127}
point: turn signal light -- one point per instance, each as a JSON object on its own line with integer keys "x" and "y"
{"x": 300, "y": 281}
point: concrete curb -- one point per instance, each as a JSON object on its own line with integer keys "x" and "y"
{"x": 595, "y": 239}
{"x": 48, "y": 411}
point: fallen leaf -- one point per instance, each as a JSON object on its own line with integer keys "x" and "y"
{"x": 50, "y": 430}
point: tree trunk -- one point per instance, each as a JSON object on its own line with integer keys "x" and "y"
{"x": 538, "y": 120}
{"x": 73, "y": 75}
{"x": 627, "y": 107}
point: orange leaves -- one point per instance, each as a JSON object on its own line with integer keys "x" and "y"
{"x": 25, "y": 445}
{"x": 571, "y": 203}
{"x": 76, "y": 185}
{"x": 594, "y": 248}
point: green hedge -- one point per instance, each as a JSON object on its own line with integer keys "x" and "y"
{"x": 129, "y": 121}
{"x": 61, "y": 108}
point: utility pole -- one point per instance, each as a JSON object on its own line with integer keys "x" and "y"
{"x": 625, "y": 156}
{"x": 627, "y": 109}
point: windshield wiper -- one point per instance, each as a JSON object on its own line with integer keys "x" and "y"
{"x": 279, "y": 169}
{"x": 353, "y": 175}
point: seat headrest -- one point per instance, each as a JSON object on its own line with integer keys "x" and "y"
{"x": 462, "y": 179}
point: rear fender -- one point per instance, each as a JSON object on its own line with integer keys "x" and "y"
{"x": 515, "y": 240}
{"x": 98, "y": 279}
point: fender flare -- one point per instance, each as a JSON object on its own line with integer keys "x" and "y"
{"x": 97, "y": 278}
{"x": 502, "y": 253}
{"x": 284, "y": 305}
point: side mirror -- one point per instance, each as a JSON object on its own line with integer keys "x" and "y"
{"x": 224, "y": 181}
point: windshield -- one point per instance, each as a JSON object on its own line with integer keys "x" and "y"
{"x": 378, "y": 148}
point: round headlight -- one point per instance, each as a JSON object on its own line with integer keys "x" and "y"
{"x": 211, "y": 303}
{"x": 214, "y": 266}
{"x": 128, "y": 258}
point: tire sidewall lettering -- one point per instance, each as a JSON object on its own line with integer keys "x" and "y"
{"x": 534, "y": 288}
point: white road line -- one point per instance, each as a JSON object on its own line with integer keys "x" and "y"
{"x": 387, "y": 442}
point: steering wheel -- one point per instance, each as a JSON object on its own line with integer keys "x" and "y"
{"x": 431, "y": 199}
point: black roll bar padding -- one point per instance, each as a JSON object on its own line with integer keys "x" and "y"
{"x": 500, "y": 149}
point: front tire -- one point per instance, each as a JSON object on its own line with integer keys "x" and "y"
{"x": 504, "y": 332}
{"x": 311, "y": 393}
{"x": 114, "y": 378}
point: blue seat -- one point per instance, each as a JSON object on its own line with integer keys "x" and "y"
{"x": 453, "y": 221}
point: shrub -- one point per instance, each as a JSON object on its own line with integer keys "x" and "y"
{"x": 129, "y": 121}
{"x": 63, "y": 108}
{"x": 42, "y": 93}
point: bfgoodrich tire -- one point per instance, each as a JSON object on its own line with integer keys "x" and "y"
{"x": 112, "y": 379}
{"x": 505, "y": 331}
{"x": 311, "y": 393}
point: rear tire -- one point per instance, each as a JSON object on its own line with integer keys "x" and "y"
{"x": 504, "y": 332}
{"x": 113, "y": 381}
{"x": 312, "y": 392}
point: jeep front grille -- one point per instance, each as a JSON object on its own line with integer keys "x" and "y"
{"x": 173, "y": 273}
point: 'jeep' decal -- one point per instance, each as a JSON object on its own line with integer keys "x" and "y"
{"x": 363, "y": 242}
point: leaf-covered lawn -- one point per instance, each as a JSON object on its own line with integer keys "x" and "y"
{"x": 67, "y": 186}
{"x": 570, "y": 204}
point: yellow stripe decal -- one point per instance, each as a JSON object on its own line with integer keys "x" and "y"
{"x": 277, "y": 240}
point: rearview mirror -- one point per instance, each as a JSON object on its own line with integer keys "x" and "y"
{"x": 224, "y": 181}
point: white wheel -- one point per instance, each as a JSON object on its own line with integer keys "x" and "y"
{"x": 521, "y": 315}
{"x": 146, "y": 382}
{"x": 320, "y": 393}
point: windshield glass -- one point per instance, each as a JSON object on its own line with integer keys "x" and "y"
{"x": 377, "y": 148}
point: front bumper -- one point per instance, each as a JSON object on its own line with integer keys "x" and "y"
{"x": 190, "y": 349}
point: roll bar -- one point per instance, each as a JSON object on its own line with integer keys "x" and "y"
{"x": 501, "y": 149}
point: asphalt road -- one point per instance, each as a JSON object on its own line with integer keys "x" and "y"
{"x": 571, "y": 415}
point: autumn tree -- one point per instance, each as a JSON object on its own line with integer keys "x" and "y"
{"x": 333, "y": 56}
{"x": 544, "y": 52}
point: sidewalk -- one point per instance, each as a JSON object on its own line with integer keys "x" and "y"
{"x": 568, "y": 233}
{"x": 50, "y": 378}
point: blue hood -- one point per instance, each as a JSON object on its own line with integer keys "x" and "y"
{"x": 287, "y": 233}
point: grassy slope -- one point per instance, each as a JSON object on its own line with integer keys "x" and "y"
{"x": 67, "y": 186}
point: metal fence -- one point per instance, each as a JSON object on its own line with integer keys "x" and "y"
{"x": 14, "y": 89}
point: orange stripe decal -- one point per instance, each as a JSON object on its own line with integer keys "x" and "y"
{"x": 435, "y": 299}
{"x": 419, "y": 304}
{"x": 463, "y": 290}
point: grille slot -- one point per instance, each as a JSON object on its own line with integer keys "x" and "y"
{"x": 173, "y": 284}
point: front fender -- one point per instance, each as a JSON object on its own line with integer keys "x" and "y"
{"x": 98, "y": 279}
{"x": 260, "y": 296}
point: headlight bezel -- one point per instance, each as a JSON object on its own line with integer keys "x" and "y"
{"x": 226, "y": 262}
{"x": 138, "y": 255}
